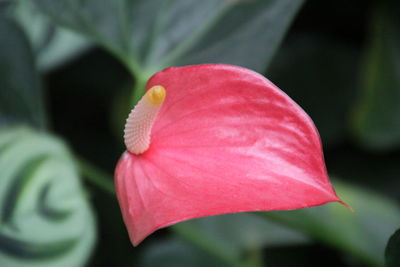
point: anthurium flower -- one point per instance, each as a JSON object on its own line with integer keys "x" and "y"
{"x": 213, "y": 139}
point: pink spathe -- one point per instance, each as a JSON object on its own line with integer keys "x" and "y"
{"x": 225, "y": 140}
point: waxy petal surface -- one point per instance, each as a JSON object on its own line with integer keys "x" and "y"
{"x": 225, "y": 140}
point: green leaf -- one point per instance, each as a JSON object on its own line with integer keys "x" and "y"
{"x": 247, "y": 35}
{"x": 21, "y": 98}
{"x": 45, "y": 219}
{"x": 362, "y": 233}
{"x": 241, "y": 232}
{"x": 150, "y": 35}
{"x": 377, "y": 117}
{"x": 177, "y": 253}
{"x": 230, "y": 237}
{"x": 392, "y": 253}
{"x": 53, "y": 45}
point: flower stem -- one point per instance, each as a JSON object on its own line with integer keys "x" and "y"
{"x": 139, "y": 89}
{"x": 96, "y": 176}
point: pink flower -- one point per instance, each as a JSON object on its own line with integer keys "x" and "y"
{"x": 214, "y": 139}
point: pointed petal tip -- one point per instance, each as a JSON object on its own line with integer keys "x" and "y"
{"x": 346, "y": 205}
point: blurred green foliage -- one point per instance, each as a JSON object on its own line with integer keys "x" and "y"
{"x": 151, "y": 35}
{"x": 392, "y": 252}
{"x": 363, "y": 232}
{"x": 340, "y": 62}
{"x": 21, "y": 97}
{"x": 377, "y": 121}
{"x": 44, "y": 214}
{"x": 53, "y": 45}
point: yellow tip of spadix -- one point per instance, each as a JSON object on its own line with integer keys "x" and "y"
{"x": 156, "y": 95}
